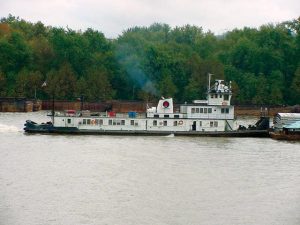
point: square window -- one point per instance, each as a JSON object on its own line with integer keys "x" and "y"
{"x": 109, "y": 122}
{"x": 205, "y": 110}
{"x": 226, "y": 97}
{"x": 209, "y": 110}
{"x": 201, "y": 110}
{"x": 193, "y": 110}
{"x": 155, "y": 123}
{"x": 197, "y": 110}
{"x": 165, "y": 123}
{"x": 175, "y": 123}
{"x": 211, "y": 123}
{"x": 132, "y": 122}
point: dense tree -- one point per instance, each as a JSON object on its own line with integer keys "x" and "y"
{"x": 2, "y": 84}
{"x": 148, "y": 62}
{"x": 95, "y": 86}
{"x": 295, "y": 88}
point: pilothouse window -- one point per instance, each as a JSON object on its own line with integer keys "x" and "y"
{"x": 225, "y": 110}
{"x": 154, "y": 122}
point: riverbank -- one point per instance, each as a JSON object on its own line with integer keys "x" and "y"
{"x": 26, "y": 105}
{"x": 257, "y": 111}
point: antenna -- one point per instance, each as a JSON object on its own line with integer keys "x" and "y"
{"x": 209, "y": 77}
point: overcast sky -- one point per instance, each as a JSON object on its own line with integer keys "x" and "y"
{"x": 112, "y": 17}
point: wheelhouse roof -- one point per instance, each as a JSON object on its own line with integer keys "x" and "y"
{"x": 289, "y": 115}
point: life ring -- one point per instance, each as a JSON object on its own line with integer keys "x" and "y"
{"x": 166, "y": 104}
{"x": 180, "y": 122}
{"x": 93, "y": 122}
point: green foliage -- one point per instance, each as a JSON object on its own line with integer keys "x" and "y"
{"x": 295, "y": 88}
{"x": 2, "y": 84}
{"x": 95, "y": 86}
{"x": 148, "y": 62}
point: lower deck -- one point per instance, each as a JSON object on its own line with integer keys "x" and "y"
{"x": 143, "y": 124}
{"x": 49, "y": 129}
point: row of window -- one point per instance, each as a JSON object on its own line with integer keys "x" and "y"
{"x": 211, "y": 123}
{"x": 208, "y": 110}
{"x": 176, "y": 123}
{"x": 165, "y": 123}
{"x": 110, "y": 122}
{"x": 166, "y": 116}
{"x": 201, "y": 110}
{"x": 225, "y": 110}
{"x": 226, "y": 97}
{"x": 135, "y": 123}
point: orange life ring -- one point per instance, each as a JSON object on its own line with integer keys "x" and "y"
{"x": 180, "y": 122}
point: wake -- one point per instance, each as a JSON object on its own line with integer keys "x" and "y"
{"x": 6, "y": 128}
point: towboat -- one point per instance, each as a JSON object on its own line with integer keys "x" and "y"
{"x": 211, "y": 117}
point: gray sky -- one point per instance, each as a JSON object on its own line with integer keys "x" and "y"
{"x": 114, "y": 16}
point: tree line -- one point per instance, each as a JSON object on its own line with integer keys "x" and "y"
{"x": 144, "y": 63}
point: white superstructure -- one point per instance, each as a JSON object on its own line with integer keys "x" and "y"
{"x": 213, "y": 114}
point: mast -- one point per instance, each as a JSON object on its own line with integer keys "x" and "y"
{"x": 209, "y": 77}
{"x": 53, "y": 109}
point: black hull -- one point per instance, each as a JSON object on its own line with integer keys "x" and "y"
{"x": 31, "y": 127}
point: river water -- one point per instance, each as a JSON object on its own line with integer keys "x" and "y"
{"x": 121, "y": 180}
